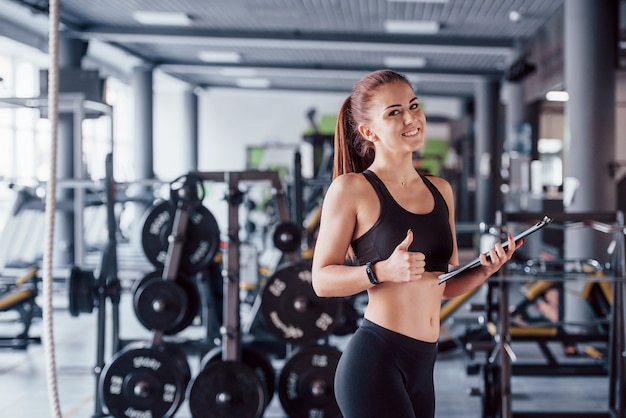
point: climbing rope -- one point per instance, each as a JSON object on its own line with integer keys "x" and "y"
{"x": 48, "y": 330}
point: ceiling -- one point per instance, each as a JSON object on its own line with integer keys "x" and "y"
{"x": 313, "y": 45}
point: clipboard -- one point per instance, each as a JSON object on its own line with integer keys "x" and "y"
{"x": 476, "y": 262}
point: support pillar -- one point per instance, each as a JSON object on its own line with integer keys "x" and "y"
{"x": 143, "y": 149}
{"x": 142, "y": 81}
{"x": 71, "y": 53}
{"x": 487, "y": 151}
{"x": 590, "y": 43}
{"x": 190, "y": 130}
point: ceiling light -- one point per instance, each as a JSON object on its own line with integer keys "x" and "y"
{"x": 515, "y": 16}
{"x": 557, "y": 96}
{"x": 254, "y": 83}
{"x": 412, "y": 27}
{"x": 162, "y": 18}
{"x": 405, "y": 62}
{"x": 220, "y": 56}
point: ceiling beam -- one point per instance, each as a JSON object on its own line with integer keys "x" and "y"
{"x": 347, "y": 90}
{"x": 202, "y": 68}
{"x": 24, "y": 35}
{"x": 297, "y": 39}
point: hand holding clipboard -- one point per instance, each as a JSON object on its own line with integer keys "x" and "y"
{"x": 476, "y": 262}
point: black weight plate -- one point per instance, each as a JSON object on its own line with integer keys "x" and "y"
{"x": 306, "y": 383}
{"x": 160, "y": 305}
{"x": 226, "y": 389}
{"x": 348, "y": 320}
{"x": 291, "y": 309}
{"x": 287, "y": 237}
{"x": 144, "y": 381}
{"x": 259, "y": 364}
{"x": 193, "y": 303}
{"x": 201, "y": 241}
{"x": 81, "y": 291}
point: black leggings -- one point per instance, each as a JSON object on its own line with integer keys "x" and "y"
{"x": 382, "y": 373}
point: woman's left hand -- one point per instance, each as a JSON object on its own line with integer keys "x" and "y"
{"x": 498, "y": 255}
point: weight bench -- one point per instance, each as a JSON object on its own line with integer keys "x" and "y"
{"x": 20, "y": 296}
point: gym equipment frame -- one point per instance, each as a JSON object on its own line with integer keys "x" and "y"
{"x": 498, "y": 370}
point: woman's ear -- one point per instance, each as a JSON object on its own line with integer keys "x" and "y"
{"x": 367, "y": 133}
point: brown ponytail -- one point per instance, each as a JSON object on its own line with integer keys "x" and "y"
{"x": 353, "y": 153}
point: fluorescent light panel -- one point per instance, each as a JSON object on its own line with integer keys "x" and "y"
{"x": 220, "y": 56}
{"x": 405, "y": 62}
{"x": 557, "y": 96}
{"x": 162, "y": 18}
{"x": 420, "y": 27}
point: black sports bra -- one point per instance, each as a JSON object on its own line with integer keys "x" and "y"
{"x": 431, "y": 231}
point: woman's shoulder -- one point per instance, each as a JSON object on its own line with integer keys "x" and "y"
{"x": 349, "y": 184}
{"x": 350, "y": 180}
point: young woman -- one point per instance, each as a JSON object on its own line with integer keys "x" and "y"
{"x": 396, "y": 229}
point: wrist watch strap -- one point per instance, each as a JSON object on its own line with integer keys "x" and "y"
{"x": 369, "y": 269}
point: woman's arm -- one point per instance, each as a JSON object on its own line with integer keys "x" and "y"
{"x": 331, "y": 277}
{"x": 349, "y": 201}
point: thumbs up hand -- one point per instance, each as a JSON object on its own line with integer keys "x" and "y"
{"x": 403, "y": 265}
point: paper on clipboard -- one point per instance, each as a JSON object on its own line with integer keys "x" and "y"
{"x": 476, "y": 262}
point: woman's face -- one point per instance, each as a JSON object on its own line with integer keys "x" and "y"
{"x": 397, "y": 121}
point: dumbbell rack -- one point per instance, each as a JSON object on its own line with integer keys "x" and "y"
{"x": 240, "y": 384}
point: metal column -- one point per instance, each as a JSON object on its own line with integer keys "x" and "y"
{"x": 143, "y": 143}
{"x": 589, "y": 48}
{"x": 487, "y": 151}
{"x": 190, "y": 130}
{"x": 71, "y": 52}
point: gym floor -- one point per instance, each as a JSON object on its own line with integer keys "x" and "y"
{"x": 24, "y": 388}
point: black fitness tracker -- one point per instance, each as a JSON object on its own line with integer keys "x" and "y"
{"x": 370, "y": 273}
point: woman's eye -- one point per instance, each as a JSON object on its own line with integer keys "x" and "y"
{"x": 393, "y": 113}
{"x": 415, "y": 106}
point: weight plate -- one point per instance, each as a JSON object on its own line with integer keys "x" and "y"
{"x": 201, "y": 241}
{"x": 165, "y": 305}
{"x": 226, "y": 389}
{"x": 193, "y": 302}
{"x": 259, "y": 364}
{"x": 306, "y": 383}
{"x": 348, "y": 321}
{"x": 287, "y": 237}
{"x": 291, "y": 309}
{"x": 81, "y": 293}
{"x": 144, "y": 381}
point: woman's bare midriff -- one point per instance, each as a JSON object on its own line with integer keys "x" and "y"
{"x": 411, "y": 309}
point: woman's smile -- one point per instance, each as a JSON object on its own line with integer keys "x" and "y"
{"x": 411, "y": 133}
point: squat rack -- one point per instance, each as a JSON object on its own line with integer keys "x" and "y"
{"x": 231, "y": 322}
